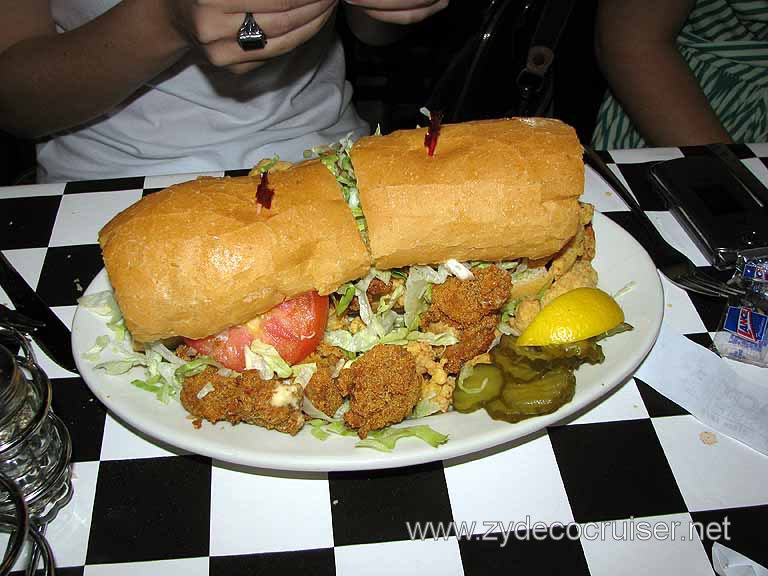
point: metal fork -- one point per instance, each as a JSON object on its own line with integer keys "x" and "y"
{"x": 672, "y": 263}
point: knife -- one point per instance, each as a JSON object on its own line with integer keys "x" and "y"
{"x": 53, "y": 337}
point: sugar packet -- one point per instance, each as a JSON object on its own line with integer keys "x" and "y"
{"x": 742, "y": 334}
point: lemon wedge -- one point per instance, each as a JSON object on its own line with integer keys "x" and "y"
{"x": 573, "y": 316}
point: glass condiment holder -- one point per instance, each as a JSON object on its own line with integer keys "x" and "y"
{"x": 35, "y": 450}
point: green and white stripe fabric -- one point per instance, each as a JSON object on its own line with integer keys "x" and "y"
{"x": 725, "y": 43}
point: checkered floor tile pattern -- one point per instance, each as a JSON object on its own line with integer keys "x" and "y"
{"x": 144, "y": 508}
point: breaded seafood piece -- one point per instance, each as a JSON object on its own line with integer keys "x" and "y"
{"x": 465, "y": 302}
{"x": 474, "y": 340}
{"x": 436, "y": 384}
{"x": 323, "y": 392}
{"x": 581, "y": 275}
{"x": 322, "y": 389}
{"x": 384, "y": 387}
{"x": 246, "y": 398}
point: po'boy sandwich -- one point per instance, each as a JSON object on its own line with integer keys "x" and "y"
{"x": 358, "y": 287}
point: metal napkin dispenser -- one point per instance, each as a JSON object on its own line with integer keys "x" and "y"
{"x": 722, "y": 205}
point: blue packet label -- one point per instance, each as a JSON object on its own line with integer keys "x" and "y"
{"x": 755, "y": 271}
{"x": 746, "y": 323}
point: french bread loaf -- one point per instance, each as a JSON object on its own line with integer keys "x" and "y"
{"x": 494, "y": 190}
{"x": 198, "y": 257}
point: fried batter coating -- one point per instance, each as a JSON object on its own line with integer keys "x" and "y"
{"x": 323, "y": 393}
{"x": 385, "y": 387}
{"x": 526, "y": 311}
{"x": 465, "y": 302}
{"x": 322, "y": 389}
{"x": 565, "y": 259}
{"x": 474, "y": 340}
{"x": 471, "y": 308}
{"x": 533, "y": 282}
{"x": 245, "y": 398}
{"x": 586, "y": 211}
{"x": 589, "y": 243}
{"x": 581, "y": 275}
{"x": 436, "y": 384}
{"x": 378, "y": 288}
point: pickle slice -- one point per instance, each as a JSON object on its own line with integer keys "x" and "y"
{"x": 542, "y": 396}
{"x": 514, "y": 366}
{"x": 483, "y": 384}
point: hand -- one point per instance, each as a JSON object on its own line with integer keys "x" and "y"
{"x": 399, "y": 11}
{"x": 213, "y": 25}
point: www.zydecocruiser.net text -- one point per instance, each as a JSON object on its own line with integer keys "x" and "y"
{"x": 631, "y": 529}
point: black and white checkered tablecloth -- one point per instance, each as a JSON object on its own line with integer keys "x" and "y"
{"x": 144, "y": 508}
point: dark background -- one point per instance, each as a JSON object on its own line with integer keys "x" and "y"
{"x": 392, "y": 83}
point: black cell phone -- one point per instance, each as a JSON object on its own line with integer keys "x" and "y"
{"x": 720, "y": 203}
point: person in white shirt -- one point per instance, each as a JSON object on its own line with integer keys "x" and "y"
{"x": 113, "y": 88}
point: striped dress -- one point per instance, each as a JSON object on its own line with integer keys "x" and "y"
{"x": 725, "y": 43}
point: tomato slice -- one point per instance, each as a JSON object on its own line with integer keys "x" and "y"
{"x": 294, "y": 327}
{"x": 226, "y": 348}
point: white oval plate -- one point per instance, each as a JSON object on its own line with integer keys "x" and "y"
{"x": 619, "y": 261}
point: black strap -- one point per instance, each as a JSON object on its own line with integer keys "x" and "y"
{"x": 541, "y": 52}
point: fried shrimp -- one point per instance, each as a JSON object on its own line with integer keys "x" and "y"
{"x": 384, "y": 387}
{"x": 466, "y": 302}
{"x": 322, "y": 390}
{"x": 471, "y": 308}
{"x": 246, "y": 398}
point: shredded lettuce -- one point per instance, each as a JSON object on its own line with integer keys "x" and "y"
{"x": 302, "y": 373}
{"x": 267, "y": 165}
{"x": 388, "y": 301}
{"x": 525, "y": 274}
{"x": 347, "y": 292}
{"x": 363, "y": 340}
{"x": 264, "y": 358}
{"x": 164, "y": 371}
{"x": 507, "y": 312}
{"x": 361, "y": 291}
{"x": 382, "y": 440}
{"x": 194, "y": 367}
{"x": 319, "y": 433}
{"x": 104, "y": 304}
{"x": 385, "y": 440}
{"x": 402, "y": 337}
{"x": 118, "y": 367}
{"x": 94, "y": 352}
{"x": 314, "y": 412}
{"x": 336, "y": 158}
{"x": 425, "y": 407}
{"x": 385, "y": 326}
{"x": 319, "y": 417}
{"x": 419, "y": 279}
{"x": 458, "y": 269}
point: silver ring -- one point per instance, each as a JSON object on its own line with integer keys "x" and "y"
{"x": 251, "y": 36}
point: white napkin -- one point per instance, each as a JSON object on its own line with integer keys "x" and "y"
{"x": 728, "y": 562}
{"x": 703, "y": 383}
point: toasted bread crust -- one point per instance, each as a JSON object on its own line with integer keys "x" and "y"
{"x": 494, "y": 190}
{"x": 198, "y": 257}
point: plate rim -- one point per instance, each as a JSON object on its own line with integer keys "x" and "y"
{"x": 492, "y": 439}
